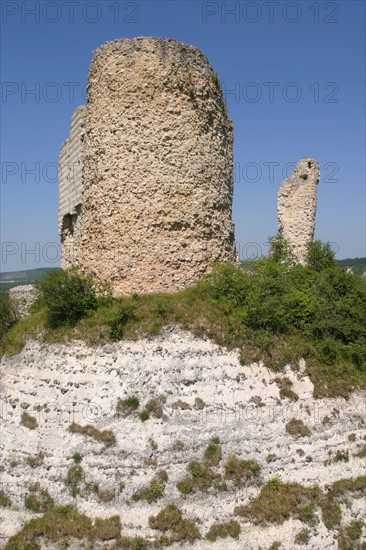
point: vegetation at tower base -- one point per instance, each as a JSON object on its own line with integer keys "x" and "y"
{"x": 67, "y": 296}
{"x": 8, "y": 314}
{"x": 276, "y": 310}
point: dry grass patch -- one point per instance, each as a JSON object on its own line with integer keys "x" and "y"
{"x": 242, "y": 472}
{"x": 36, "y": 460}
{"x": 5, "y": 501}
{"x": 279, "y": 501}
{"x": 302, "y": 537}
{"x": 63, "y": 522}
{"x": 28, "y": 421}
{"x": 297, "y": 428}
{"x": 38, "y": 499}
{"x": 213, "y": 453}
{"x": 221, "y": 530}
{"x": 154, "y": 407}
{"x": 183, "y": 405}
{"x": 128, "y": 406}
{"x": 107, "y": 529}
{"x": 170, "y": 519}
{"x": 350, "y": 535}
{"x": 154, "y": 490}
{"x": 103, "y": 436}
{"x": 202, "y": 478}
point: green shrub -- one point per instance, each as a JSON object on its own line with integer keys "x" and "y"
{"x": 119, "y": 319}
{"x": 144, "y": 415}
{"x": 67, "y": 295}
{"x": 320, "y": 256}
{"x": 8, "y": 314}
{"x": 341, "y": 456}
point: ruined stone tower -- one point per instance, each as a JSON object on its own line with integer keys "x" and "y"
{"x": 156, "y": 171}
{"x": 297, "y": 199}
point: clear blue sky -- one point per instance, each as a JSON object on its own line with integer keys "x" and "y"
{"x": 294, "y": 75}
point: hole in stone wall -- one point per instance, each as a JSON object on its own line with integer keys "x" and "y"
{"x": 68, "y": 223}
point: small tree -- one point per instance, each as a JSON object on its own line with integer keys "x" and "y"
{"x": 67, "y": 294}
{"x": 280, "y": 250}
{"x": 319, "y": 256}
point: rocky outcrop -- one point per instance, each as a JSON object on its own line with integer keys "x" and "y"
{"x": 297, "y": 199}
{"x": 202, "y": 392}
{"x": 22, "y": 297}
{"x": 157, "y": 178}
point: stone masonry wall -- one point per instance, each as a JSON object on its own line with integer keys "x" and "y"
{"x": 297, "y": 199}
{"x": 158, "y": 167}
{"x": 70, "y": 188}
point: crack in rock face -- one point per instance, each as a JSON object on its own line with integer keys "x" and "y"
{"x": 297, "y": 199}
{"x": 154, "y": 164}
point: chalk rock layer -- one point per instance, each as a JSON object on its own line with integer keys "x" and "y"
{"x": 297, "y": 199}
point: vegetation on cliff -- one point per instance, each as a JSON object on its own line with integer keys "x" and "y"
{"x": 277, "y": 311}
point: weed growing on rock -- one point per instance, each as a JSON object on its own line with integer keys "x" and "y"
{"x": 154, "y": 490}
{"x": 144, "y": 415}
{"x": 155, "y": 406}
{"x": 127, "y": 406}
{"x": 77, "y": 458}
{"x": 5, "y": 500}
{"x": 350, "y": 535}
{"x": 213, "y": 453}
{"x": 28, "y": 421}
{"x": 36, "y": 460}
{"x": 302, "y": 537}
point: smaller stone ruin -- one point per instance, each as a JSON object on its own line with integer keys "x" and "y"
{"x": 297, "y": 199}
{"x": 23, "y": 297}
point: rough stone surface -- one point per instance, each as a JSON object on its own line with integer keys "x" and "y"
{"x": 23, "y": 297}
{"x": 297, "y": 198}
{"x": 70, "y": 177}
{"x": 59, "y": 384}
{"x": 158, "y": 169}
